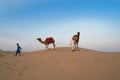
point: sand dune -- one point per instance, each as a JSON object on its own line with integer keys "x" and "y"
{"x": 61, "y": 64}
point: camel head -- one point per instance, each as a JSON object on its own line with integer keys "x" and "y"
{"x": 40, "y": 40}
{"x": 76, "y": 37}
{"x": 78, "y": 33}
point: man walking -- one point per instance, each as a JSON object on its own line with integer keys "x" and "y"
{"x": 18, "y": 51}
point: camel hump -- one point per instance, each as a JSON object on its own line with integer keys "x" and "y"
{"x": 49, "y": 40}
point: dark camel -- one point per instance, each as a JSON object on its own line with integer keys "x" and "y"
{"x": 47, "y": 41}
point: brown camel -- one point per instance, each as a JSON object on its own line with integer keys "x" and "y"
{"x": 76, "y": 40}
{"x": 47, "y": 41}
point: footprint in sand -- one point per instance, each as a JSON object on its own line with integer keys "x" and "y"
{"x": 22, "y": 71}
{"x": 10, "y": 69}
{"x": 58, "y": 62}
{"x": 96, "y": 60}
{"x": 33, "y": 79}
{"x": 3, "y": 63}
{"x": 24, "y": 64}
{"x": 41, "y": 62}
{"x": 14, "y": 65}
{"x": 48, "y": 73}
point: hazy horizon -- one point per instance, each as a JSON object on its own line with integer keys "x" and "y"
{"x": 23, "y": 21}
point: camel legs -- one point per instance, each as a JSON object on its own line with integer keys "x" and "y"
{"x": 54, "y": 45}
{"x": 76, "y": 47}
{"x": 46, "y": 46}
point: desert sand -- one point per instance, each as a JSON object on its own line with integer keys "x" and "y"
{"x": 61, "y": 64}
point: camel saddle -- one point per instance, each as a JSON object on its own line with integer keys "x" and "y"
{"x": 49, "y": 40}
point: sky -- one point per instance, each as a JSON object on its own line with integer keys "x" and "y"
{"x": 22, "y": 21}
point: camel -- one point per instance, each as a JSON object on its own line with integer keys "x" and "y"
{"x": 47, "y": 41}
{"x": 76, "y": 40}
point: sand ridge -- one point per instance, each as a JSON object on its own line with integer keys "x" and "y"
{"x": 61, "y": 64}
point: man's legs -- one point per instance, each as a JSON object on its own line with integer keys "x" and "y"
{"x": 17, "y": 52}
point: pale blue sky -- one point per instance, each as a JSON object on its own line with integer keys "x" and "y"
{"x": 23, "y": 21}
